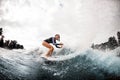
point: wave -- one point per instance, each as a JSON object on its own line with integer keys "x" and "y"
{"x": 86, "y": 65}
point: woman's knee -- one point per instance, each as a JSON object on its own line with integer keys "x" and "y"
{"x": 51, "y": 48}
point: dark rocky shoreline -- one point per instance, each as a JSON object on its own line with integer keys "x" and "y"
{"x": 111, "y": 44}
{"x": 9, "y": 44}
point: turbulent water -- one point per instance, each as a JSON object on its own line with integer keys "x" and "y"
{"x": 88, "y": 65}
{"x": 79, "y": 22}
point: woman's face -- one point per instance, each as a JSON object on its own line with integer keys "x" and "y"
{"x": 57, "y": 37}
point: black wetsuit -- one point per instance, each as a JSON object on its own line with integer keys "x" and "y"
{"x": 53, "y": 41}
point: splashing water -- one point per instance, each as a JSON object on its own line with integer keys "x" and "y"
{"x": 87, "y": 65}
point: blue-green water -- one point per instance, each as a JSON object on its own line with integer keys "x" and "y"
{"x": 88, "y": 65}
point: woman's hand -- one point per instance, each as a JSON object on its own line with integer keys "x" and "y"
{"x": 61, "y": 45}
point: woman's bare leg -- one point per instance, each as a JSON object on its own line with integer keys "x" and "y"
{"x": 49, "y": 53}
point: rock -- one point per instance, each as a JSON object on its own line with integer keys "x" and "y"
{"x": 111, "y": 44}
{"x": 9, "y": 44}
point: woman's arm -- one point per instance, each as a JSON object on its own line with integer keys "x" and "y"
{"x": 59, "y": 45}
{"x": 56, "y": 44}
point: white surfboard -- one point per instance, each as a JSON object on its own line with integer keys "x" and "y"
{"x": 55, "y": 58}
{"x": 59, "y": 58}
{"x": 52, "y": 58}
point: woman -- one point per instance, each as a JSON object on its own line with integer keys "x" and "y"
{"x": 52, "y": 40}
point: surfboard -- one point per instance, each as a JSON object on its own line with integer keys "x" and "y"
{"x": 48, "y": 61}
{"x": 53, "y": 58}
{"x": 60, "y": 57}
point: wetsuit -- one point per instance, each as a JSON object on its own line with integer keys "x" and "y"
{"x": 53, "y": 41}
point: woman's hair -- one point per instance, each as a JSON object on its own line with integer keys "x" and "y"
{"x": 57, "y": 35}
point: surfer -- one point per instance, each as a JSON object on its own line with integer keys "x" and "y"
{"x": 52, "y": 40}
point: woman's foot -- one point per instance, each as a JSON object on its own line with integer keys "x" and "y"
{"x": 47, "y": 56}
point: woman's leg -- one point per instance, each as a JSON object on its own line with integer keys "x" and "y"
{"x": 47, "y": 45}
